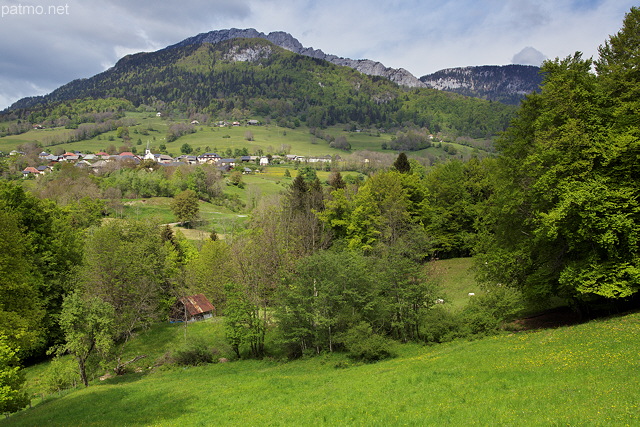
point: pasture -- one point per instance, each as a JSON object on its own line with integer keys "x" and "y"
{"x": 265, "y": 138}
{"x": 579, "y": 375}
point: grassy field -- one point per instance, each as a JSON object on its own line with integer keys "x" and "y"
{"x": 269, "y": 138}
{"x": 456, "y": 278}
{"x": 579, "y": 375}
{"x": 264, "y": 185}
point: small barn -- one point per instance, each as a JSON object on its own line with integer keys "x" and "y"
{"x": 191, "y": 309}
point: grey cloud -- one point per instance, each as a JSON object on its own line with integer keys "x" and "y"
{"x": 40, "y": 53}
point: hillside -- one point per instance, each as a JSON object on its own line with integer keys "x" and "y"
{"x": 579, "y": 375}
{"x": 507, "y": 84}
{"x": 242, "y": 78}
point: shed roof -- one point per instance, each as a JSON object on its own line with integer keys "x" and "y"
{"x": 197, "y": 304}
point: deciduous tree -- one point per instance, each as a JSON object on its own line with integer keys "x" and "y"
{"x": 185, "y": 206}
{"x": 565, "y": 218}
{"x": 21, "y": 311}
{"x": 12, "y": 395}
{"x": 88, "y": 325}
{"x": 124, "y": 265}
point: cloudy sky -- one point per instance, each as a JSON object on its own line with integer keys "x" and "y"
{"x": 46, "y": 43}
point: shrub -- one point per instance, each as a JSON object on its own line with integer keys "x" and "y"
{"x": 440, "y": 325}
{"x": 363, "y": 344}
{"x": 61, "y": 374}
{"x": 486, "y": 313}
{"x": 194, "y": 354}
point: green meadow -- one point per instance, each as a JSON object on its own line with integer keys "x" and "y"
{"x": 223, "y": 219}
{"x": 578, "y": 375}
{"x": 269, "y": 138}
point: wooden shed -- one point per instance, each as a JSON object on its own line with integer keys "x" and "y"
{"x": 191, "y": 308}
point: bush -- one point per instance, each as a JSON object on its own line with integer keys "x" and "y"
{"x": 194, "y": 354}
{"x": 61, "y": 374}
{"x": 485, "y": 314}
{"x": 365, "y": 345}
{"x": 440, "y": 325}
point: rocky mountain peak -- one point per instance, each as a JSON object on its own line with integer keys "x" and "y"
{"x": 287, "y": 41}
{"x": 504, "y": 83}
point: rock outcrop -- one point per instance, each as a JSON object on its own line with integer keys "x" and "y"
{"x": 287, "y": 41}
{"x": 507, "y": 84}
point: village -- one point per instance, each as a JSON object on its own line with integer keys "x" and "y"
{"x": 101, "y": 161}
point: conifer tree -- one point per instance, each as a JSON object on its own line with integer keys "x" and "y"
{"x": 402, "y": 163}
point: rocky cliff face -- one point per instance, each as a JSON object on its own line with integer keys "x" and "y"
{"x": 508, "y": 84}
{"x": 287, "y": 41}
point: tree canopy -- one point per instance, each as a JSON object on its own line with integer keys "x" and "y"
{"x": 185, "y": 206}
{"x": 565, "y": 216}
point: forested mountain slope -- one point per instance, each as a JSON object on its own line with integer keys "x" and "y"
{"x": 256, "y": 77}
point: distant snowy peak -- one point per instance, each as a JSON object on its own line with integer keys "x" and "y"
{"x": 287, "y": 41}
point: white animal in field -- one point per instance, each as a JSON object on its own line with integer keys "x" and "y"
{"x": 472, "y": 294}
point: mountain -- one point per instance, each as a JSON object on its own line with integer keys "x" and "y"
{"x": 287, "y": 41}
{"x": 507, "y": 84}
{"x": 252, "y": 77}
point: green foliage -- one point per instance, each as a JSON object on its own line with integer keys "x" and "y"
{"x": 363, "y": 344}
{"x": 456, "y": 193}
{"x": 336, "y": 181}
{"x": 88, "y": 327}
{"x": 86, "y": 212}
{"x": 328, "y": 292}
{"x": 194, "y": 354}
{"x": 385, "y": 207}
{"x": 565, "y": 216}
{"x": 61, "y": 374}
{"x": 140, "y": 183}
{"x": 185, "y": 206}
{"x": 440, "y": 325}
{"x": 332, "y": 291}
{"x": 486, "y": 313}
{"x": 21, "y": 313}
{"x": 235, "y": 178}
{"x": 243, "y": 323}
{"x": 12, "y": 395}
{"x": 210, "y": 271}
{"x": 402, "y": 163}
{"x": 125, "y": 265}
{"x": 42, "y": 251}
